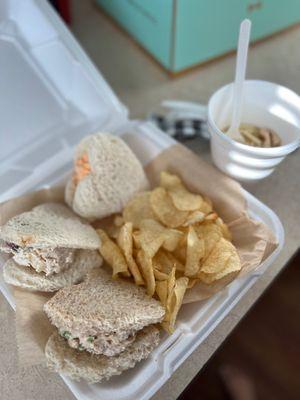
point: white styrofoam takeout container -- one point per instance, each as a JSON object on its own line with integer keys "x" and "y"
{"x": 265, "y": 104}
{"x": 51, "y": 95}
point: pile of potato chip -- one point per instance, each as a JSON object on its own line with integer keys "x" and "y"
{"x": 168, "y": 239}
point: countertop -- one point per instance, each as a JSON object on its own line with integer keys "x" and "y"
{"x": 141, "y": 85}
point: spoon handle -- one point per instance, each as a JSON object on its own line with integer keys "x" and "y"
{"x": 240, "y": 73}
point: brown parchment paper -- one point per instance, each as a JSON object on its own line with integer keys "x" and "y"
{"x": 254, "y": 241}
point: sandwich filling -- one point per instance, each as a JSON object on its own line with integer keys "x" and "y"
{"x": 47, "y": 260}
{"x": 109, "y": 344}
{"x": 82, "y": 168}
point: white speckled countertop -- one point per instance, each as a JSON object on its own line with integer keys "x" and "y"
{"x": 141, "y": 85}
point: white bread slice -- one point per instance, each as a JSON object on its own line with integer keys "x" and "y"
{"x": 28, "y": 278}
{"x": 116, "y": 175}
{"x": 95, "y": 368}
{"x": 50, "y": 225}
{"x": 104, "y": 305}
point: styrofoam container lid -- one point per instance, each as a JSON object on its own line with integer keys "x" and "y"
{"x": 48, "y": 85}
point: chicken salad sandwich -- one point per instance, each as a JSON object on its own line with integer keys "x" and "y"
{"x": 106, "y": 175}
{"x": 50, "y": 247}
{"x": 104, "y": 326}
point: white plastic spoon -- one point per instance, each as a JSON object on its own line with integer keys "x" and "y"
{"x": 240, "y": 72}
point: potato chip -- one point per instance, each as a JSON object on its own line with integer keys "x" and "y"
{"x": 211, "y": 233}
{"x": 134, "y": 253}
{"x": 184, "y": 200}
{"x": 171, "y": 283}
{"x": 145, "y": 264}
{"x": 172, "y": 239}
{"x": 133, "y": 268}
{"x": 169, "y": 181}
{"x": 206, "y": 206}
{"x": 159, "y": 275}
{"x": 165, "y": 262}
{"x": 233, "y": 265}
{"x": 161, "y": 262}
{"x": 124, "y": 241}
{"x": 212, "y": 216}
{"x": 181, "y": 197}
{"x": 179, "y": 290}
{"x": 138, "y": 209}
{"x": 165, "y": 210}
{"x": 234, "y": 262}
{"x": 151, "y": 236}
{"x": 222, "y": 261}
{"x": 217, "y": 259}
{"x": 118, "y": 220}
{"x": 192, "y": 283}
{"x": 112, "y": 231}
{"x": 161, "y": 289}
{"x": 170, "y": 287}
{"x": 166, "y": 321}
{"x": 194, "y": 218}
{"x": 176, "y": 263}
{"x": 136, "y": 239}
{"x": 175, "y": 303}
{"x": 194, "y": 252}
{"x": 112, "y": 255}
{"x": 224, "y": 228}
{"x": 180, "y": 252}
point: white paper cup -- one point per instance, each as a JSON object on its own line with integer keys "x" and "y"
{"x": 265, "y": 104}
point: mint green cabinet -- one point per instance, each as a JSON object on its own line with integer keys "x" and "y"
{"x": 184, "y": 33}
